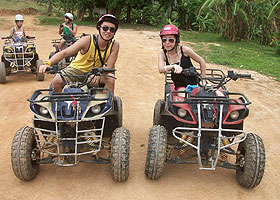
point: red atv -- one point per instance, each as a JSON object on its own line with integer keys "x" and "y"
{"x": 201, "y": 125}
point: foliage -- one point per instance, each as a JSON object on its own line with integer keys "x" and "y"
{"x": 241, "y": 54}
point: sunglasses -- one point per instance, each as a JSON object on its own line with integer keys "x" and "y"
{"x": 170, "y": 40}
{"x": 106, "y": 28}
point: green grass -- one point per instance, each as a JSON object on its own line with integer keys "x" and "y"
{"x": 20, "y": 4}
{"x": 51, "y": 20}
{"x": 241, "y": 55}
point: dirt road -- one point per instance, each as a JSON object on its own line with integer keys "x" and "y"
{"x": 139, "y": 85}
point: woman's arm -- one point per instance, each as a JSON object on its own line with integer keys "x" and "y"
{"x": 189, "y": 52}
{"x": 74, "y": 31}
{"x": 162, "y": 67}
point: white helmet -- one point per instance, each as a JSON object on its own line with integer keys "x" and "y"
{"x": 19, "y": 17}
{"x": 69, "y": 15}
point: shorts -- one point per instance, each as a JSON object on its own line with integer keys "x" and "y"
{"x": 71, "y": 74}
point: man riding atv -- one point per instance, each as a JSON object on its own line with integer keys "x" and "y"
{"x": 68, "y": 30}
{"x": 93, "y": 51}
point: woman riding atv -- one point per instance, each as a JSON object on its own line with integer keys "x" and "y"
{"x": 173, "y": 56}
{"x": 68, "y": 29}
{"x": 93, "y": 51}
{"x": 17, "y": 32}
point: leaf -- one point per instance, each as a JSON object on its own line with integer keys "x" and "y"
{"x": 273, "y": 10}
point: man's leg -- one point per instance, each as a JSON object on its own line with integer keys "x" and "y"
{"x": 57, "y": 83}
{"x": 108, "y": 82}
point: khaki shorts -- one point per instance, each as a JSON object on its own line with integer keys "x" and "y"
{"x": 74, "y": 75}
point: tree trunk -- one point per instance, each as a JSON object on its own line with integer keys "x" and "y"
{"x": 50, "y": 6}
{"x": 128, "y": 14}
{"x": 90, "y": 13}
{"x": 116, "y": 12}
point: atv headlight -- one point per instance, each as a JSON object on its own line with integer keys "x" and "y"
{"x": 43, "y": 111}
{"x": 234, "y": 115}
{"x": 29, "y": 49}
{"x": 8, "y": 50}
{"x": 182, "y": 112}
{"x": 96, "y": 109}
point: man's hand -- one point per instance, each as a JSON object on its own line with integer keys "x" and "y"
{"x": 93, "y": 80}
{"x": 43, "y": 68}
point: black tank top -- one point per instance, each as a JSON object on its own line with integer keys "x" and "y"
{"x": 181, "y": 80}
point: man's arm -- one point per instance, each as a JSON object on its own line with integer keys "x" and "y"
{"x": 113, "y": 55}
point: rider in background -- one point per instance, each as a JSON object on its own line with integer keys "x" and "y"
{"x": 68, "y": 29}
{"x": 174, "y": 56}
{"x": 93, "y": 51}
{"x": 17, "y": 32}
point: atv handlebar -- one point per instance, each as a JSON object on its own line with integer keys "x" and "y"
{"x": 26, "y": 37}
{"x": 188, "y": 72}
{"x": 6, "y": 38}
{"x": 100, "y": 71}
{"x": 235, "y": 76}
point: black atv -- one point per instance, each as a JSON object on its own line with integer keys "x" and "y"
{"x": 80, "y": 124}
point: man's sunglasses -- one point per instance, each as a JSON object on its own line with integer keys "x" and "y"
{"x": 170, "y": 40}
{"x": 106, "y": 28}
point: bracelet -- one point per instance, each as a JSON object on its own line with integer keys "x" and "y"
{"x": 47, "y": 63}
{"x": 165, "y": 68}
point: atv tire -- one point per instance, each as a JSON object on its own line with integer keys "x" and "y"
{"x": 118, "y": 104}
{"x": 157, "y": 112}
{"x": 2, "y": 73}
{"x": 250, "y": 160}
{"x": 119, "y": 156}
{"x": 39, "y": 76}
{"x": 23, "y": 149}
{"x": 156, "y": 153}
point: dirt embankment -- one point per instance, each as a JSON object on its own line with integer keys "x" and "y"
{"x": 139, "y": 85}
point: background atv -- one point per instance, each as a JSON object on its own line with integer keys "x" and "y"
{"x": 69, "y": 40}
{"x": 81, "y": 124}
{"x": 201, "y": 125}
{"x": 19, "y": 57}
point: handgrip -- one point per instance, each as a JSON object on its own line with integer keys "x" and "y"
{"x": 248, "y": 76}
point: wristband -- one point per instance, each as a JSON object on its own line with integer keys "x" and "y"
{"x": 47, "y": 63}
{"x": 165, "y": 68}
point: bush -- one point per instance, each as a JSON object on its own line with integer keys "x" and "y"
{"x": 278, "y": 49}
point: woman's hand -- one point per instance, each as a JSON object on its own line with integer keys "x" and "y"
{"x": 177, "y": 69}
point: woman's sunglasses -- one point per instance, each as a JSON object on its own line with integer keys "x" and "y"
{"x": 170, "y": 40}
{"x": 106, "y": 28}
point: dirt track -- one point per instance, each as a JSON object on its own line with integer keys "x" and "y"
{"x": 139, "y": 85}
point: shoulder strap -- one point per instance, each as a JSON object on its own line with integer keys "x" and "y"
{"x": 166, "y": 59}
{"x": 182, "y": 50}
{"x": 102, "y": 60}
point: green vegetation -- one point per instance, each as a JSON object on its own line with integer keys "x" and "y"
{"x": 243, "y": 54}
{"x": 10, "y": 4}
{"x": 213, "y": 47}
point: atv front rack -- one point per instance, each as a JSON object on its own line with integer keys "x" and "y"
{"x": 80, "y": 137}
{"x": 49, "y": 141}
{"x": 18, "y": 56}
{"x": 217, "y": 147}
{"x": 60, "y": 97}
{"x": 191, "y": 99}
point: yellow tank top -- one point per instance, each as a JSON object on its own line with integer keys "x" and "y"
{"x": 85, "y": 62}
